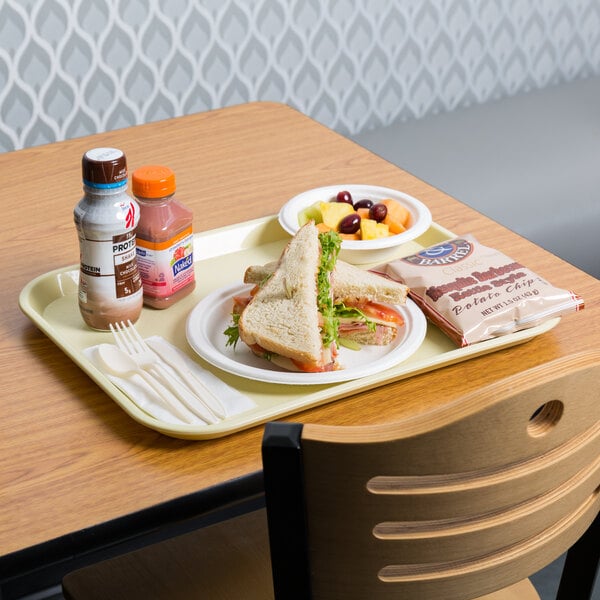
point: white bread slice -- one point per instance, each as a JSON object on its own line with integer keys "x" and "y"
{"x": 258, "y": 274}
{"x": 282, "y": 317}
{"x": 350, "y": 284}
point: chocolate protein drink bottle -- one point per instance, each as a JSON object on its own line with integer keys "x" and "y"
{"x": 110, "y": 286}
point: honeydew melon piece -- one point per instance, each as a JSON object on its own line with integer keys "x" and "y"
{"x": 312, "y": 212}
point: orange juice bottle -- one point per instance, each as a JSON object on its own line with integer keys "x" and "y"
{"x": 164, "y": 238}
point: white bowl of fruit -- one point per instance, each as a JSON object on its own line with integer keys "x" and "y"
{"x": 371, "y": 220}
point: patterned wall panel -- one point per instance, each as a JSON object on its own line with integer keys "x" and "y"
{"x": 73, "y": 67}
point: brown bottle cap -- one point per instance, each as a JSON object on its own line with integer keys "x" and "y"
{"x": 104, "y": 167}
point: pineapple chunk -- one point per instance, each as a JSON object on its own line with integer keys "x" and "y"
{"x": 372, "y": 230}
{"x": 334, "y": 212}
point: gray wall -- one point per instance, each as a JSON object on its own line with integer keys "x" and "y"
{"x": 73, "y": 67}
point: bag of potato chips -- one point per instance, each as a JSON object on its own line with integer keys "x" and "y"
{"x": 474, "y": 293}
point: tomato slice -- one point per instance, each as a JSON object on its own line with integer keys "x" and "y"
{"x": 313, "y": 368}
{"x": 385, "y": 312}
{"x": 327, "y": 362}
{"x": 240, "y": 303}
{"x": 307, "y": 367}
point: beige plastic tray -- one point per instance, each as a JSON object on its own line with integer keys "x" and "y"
{"x": 222, "y": 256}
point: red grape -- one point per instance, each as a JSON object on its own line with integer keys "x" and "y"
{"x": 364, "y": 203}
{"x": 344, "y": 196}
{"x": 378, "y": 212}
{"x": 350, "y": 223}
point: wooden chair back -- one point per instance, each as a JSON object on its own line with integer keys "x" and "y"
{"x": 453, "y": 504}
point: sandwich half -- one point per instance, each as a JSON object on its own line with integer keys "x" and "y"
{"x": 290, "y": 318}
{"x": 362, "y": 299}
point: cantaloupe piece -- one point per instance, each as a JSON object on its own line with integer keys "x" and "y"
{"x": 398, "y": 216}
{"x": 372, "y": 230}
{"x": 323, "y": 227}
{"x": 363, "y": 213}
{"x": 349, "y": 236}
{"x": 334, "y": 212}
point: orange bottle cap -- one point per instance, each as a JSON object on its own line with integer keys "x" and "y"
{"x": 153, "y": 181}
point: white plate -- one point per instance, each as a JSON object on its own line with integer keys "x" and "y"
{"x": 212, "y": 315}
{"x": 361, "y": 251}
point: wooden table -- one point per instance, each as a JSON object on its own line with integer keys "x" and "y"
{"x": 70, "y": 458}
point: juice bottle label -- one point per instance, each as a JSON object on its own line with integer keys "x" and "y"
{"x": 166, "y": 267}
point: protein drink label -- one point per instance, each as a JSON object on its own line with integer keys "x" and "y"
{"x": 112, "y": 262}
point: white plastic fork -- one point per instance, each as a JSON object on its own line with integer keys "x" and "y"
{"x": 130, "y": 341}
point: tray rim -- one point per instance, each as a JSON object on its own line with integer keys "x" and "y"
{"x": 262, "y": 229}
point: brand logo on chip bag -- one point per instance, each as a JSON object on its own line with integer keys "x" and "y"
{"x": 447, "y": 253}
